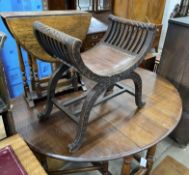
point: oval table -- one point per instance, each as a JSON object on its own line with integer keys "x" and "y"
{"x": 117, "y": 128}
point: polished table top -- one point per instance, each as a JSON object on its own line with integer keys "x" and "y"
{"x": 117, "y": 128}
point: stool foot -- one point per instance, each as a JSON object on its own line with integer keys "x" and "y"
{"x": 90, "y": 100}
{"x": 138, "y": 89}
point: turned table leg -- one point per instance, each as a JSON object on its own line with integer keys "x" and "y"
{"x": 105, "y": 168}
{"x": 22, "y": 68}
{"x": 150, "y": 158}
{"x": 126, "y": 167}
{"x": 23, "y": 71}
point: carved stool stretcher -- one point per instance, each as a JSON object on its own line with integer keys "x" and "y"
{"x": 115, "y": 58}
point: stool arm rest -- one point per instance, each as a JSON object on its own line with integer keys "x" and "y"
{"x": 148, "y": 26}
{"x": 61, "y": 46}
{"x": 57, "y": 44}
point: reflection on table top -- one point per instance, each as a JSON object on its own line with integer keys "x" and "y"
{"x": 117, "y": 128}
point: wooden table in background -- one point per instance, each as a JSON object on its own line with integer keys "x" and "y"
{"x": 24, "y": 154}
{"x": 117, "y": 129}
{"x": 19, "y": 24}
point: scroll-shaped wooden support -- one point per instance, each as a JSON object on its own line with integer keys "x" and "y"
{"x": 115, "y": 58}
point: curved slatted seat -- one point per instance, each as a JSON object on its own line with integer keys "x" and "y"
{"x": 122, "y": 49}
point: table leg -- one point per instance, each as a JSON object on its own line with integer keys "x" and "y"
{"x": 35, "y": 83}
{"x": 102, "y": 167}
{"x": 150, "y": 158}
{"x": 105, "y": 168}
{"x": 126, "y": 167}
{"x": 32, "y": 76}
{"x": 22, "y": 67}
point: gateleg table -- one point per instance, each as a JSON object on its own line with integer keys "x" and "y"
{"x": 117, "y": 128}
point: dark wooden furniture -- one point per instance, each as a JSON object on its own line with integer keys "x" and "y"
{"x": 117, "y": 129}
{"x": 61, "y": 4}
{"x": 72, "y": 22}
{"x": 174, "y": 65}
{"x": 114, "y": 59}
{"x": 95, "y": 5}
{"x": 84, "y": 5}
{"x": 100, "y": 9}
{"x": 5, "y": 108}
{"x": 96, "y": 31}
{"x": 38, "y": 88}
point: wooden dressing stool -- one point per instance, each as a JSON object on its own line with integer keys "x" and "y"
{"x": 114, "y": 59}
